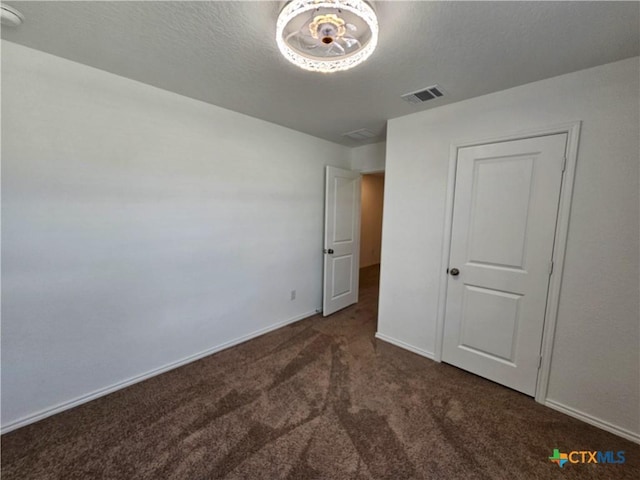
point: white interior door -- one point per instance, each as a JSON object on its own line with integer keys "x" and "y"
{"x": 341, "y": 239}
{"x": 504, "y": 219}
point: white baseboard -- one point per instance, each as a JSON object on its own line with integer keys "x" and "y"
{"x": 406, "y": 346}
{"x": 596, "y": 422}
{"x": 47, "y": 412}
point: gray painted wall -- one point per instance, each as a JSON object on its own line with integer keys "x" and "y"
{"x": 140, "y": 228}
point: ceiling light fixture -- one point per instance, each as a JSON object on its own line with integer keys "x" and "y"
{"x": 327, "y": 35}
{"x": 9, "y": 16}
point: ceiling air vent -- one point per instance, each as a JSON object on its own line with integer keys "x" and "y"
{"x": 359, "y": 135}
{"x": 429, "y": 93}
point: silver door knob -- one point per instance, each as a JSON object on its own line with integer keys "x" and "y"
{"x": 454, "y": 271}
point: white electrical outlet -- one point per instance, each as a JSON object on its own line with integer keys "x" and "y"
{"x": 293, "y": 294}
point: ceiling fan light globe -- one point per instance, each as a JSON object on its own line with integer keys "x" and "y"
{"x": 328, "y": 28}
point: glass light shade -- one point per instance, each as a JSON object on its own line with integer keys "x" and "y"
{"x": 327, "y": 36}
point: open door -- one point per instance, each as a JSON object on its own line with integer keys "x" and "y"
{"x": 341, "y": 239}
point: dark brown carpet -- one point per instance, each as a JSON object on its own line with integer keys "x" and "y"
{"x": 319, "y": 399}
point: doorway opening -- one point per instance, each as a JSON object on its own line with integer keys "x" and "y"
{"x": 372, "y": 199}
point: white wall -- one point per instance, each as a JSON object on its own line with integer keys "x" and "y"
{"x": 141, "y": 227}
{"x": 595, "y": 366}
{"x": 368, "y": 158}
{"x": 371, "y": 203}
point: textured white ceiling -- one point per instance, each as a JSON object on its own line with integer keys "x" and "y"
{"x": 224, "y": 53}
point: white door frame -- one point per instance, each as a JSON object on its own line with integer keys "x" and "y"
{"x": 572, "y": 130}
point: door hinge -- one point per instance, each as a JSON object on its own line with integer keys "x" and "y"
{"x": 539, "y": 362}
{"x": 564, "y": 163}
{"x": 550, "y": 267}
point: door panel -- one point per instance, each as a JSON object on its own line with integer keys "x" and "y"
{"x": 501, "y": 189}
{"x": 345, "y": 189}
{"x": 505, "y": 209}
{"x": 489, "y": 322}
{"x": 341, "y": 239}
{"x": 342, "y": 281}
